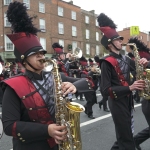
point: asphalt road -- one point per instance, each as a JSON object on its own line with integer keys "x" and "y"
{"x": 98, "y": 133}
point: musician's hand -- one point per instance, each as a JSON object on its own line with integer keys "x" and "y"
{"x": 137, "y": 85}
{"x": 68, "y": 87}
{"x": 143, "y": 61}
{"x": 59, "y": 133}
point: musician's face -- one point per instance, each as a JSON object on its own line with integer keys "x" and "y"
{"x": 118, "y": 43}
{"x": 34, "y": 60}
{"x": 62, "y": 56}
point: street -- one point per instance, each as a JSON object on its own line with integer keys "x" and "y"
{"x": 98, "y": 133}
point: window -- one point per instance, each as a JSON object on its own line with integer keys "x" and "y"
{"x": 60, "y": 28}
{"x": 61, "y": 42}
{"x": 97, "y": 36}
{"x": 60, "y": 11}
{"x": 8, "y": 44}
{"x": 41, "y": 7}
{"x": 74, "y": 31}
{"x": 96, "y": 22}
{"x": 87, "y": 19}
{"x": 7, "y": 2}
{"x": 97, "y": 50}
{"x": 42, "y": 25}
{"x": 88, "y": 49}
{"x": 74, "y": 45}
{"x": 6, "y": 22}
{"x": 73, "y": 15}
{"x": 27, "y": 3}
{"x": 87, "y": 34}
{"x": 43, "y": 42}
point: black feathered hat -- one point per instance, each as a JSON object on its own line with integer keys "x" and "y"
{"x": 108, "y": 27}
{"x": 57, "y": 48}
{"x": 143, "y": 50}
{"x": 97, "y": 60}
{"x": 24, "y": 35}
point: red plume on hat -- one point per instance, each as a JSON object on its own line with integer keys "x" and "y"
{"x": 83, "y": 61}
{"x": 57, "y": 48}
{"x": 108, "y": 27}
{"x": 143, "y": 50}
{"x": 24, "y": 35}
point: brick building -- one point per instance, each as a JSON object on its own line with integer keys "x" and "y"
{"x": 144, "y": 37}
{"x": 59, "y": 21}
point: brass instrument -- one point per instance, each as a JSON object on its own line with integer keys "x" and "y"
{"x": 141, "y": 73}
{"x": 77, "y": 53}
{"x": 66, "y": 113}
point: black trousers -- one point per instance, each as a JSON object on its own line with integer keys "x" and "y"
{"x": 91, "y": 100}
{"x": 121, "y": 114}
{"x": 104, "y": 102}
{"x": 145, "y": 133}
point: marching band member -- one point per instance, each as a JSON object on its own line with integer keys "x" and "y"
{"x": 144, "y": 54}
{"x": 61, "y": 60}
{"x": 115, "y": 82}
{"x": 90, "y": 97}
{"x": 104, "y": 97}
{"x": 28, "y": 112}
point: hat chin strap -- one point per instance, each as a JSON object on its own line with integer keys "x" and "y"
{"x": 31, "y": 65}
{"x": 115, "y": 46}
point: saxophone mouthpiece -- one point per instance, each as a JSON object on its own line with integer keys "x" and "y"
{"x": 124, "y": 44}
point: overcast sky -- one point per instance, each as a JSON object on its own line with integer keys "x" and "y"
{"x": 124, "y": 13}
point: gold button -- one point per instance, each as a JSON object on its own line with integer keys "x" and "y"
{"x": 89, "y": 84}
{"x": 33, "y": 120}
{"x": 89, "y": 88}
{"x": 86, "y": 80}
{"x": 113, "y": 92}
{"x": 30, "y": 108}
{"x": 23, "y": 140}
{"x": 19, "y": 134}
{"x": 20, "y": 138}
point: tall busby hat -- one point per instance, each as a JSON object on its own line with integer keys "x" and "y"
{"x": 143, "y": 50}
{"x": 83, "y": 61}
{"x": 24, "y": 35}
{"x": 108, "y": 27}
{"x": 91, "y": 62}
{"x": 57, "y": 48}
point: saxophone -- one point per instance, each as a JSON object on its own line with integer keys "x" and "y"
{"x": 66, "y": 113}
{"x": 141, "y": 73}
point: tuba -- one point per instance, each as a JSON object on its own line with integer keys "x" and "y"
{"x": 66, "y": 113}
{"x": 141, "y": 73}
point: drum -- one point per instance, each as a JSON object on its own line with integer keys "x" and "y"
{"x": 1, "y": 129}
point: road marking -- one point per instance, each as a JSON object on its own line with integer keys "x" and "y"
{"x": 100, "y": 118}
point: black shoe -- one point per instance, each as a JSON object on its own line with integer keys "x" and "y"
{"x": 107, "y": 110}
{"x": 100, "y": 104}
{"x": 91, "y": 116}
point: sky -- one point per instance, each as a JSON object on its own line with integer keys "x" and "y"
{"x": 124, "y": 13}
